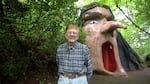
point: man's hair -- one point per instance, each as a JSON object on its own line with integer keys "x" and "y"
{"x": 72, "y": 26}
{"x": 91, "y": 6}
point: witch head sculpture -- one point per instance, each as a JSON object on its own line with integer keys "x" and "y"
{"x": 100, "y": 28}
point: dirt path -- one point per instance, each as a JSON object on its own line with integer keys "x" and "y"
{"x": 135, "y": 77}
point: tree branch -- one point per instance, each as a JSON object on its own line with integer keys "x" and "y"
{"x": 130, "y": 19}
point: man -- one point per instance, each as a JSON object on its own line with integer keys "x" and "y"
{"x": 73, "y": 59}
{"x": 101, "y": 37}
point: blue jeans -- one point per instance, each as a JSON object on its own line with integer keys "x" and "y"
{"x": 78, "y": 80}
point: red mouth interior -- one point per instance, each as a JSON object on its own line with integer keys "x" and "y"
{"x": 108, "y": 56}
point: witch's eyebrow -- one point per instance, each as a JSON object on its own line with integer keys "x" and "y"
{"x": 96, "y": 13}
{"x": 92, "y": 15}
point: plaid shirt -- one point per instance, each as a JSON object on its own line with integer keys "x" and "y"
{"x": 74, "y": 59}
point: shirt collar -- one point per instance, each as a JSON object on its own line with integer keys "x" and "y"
{"x": 73, "y": 46}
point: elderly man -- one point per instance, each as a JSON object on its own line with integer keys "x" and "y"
{"x": 73, "y": 59}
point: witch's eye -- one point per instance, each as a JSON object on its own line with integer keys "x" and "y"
{"x": 91, "y": 22}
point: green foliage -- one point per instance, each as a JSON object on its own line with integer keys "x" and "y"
{"x": 138, "y": 13}
{"x": 41, "y": 82}
{"x": 9, "y": 71}
{"x": 82, "y": 36}
{"x": 12, "y": 61}
{"x": 33, "y": 29}
{"x": 37, "y": 32}
{"x": 46, "y": 21}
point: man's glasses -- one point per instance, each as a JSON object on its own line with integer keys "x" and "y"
{"x": 72, "y": 33}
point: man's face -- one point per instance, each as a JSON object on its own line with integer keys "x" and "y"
{"x": 72, "y": 35}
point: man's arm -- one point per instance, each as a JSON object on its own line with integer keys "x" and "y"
{"x": 88, "y": 63}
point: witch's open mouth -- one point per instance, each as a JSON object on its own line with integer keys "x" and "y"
{"x": 108, "y": 57}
